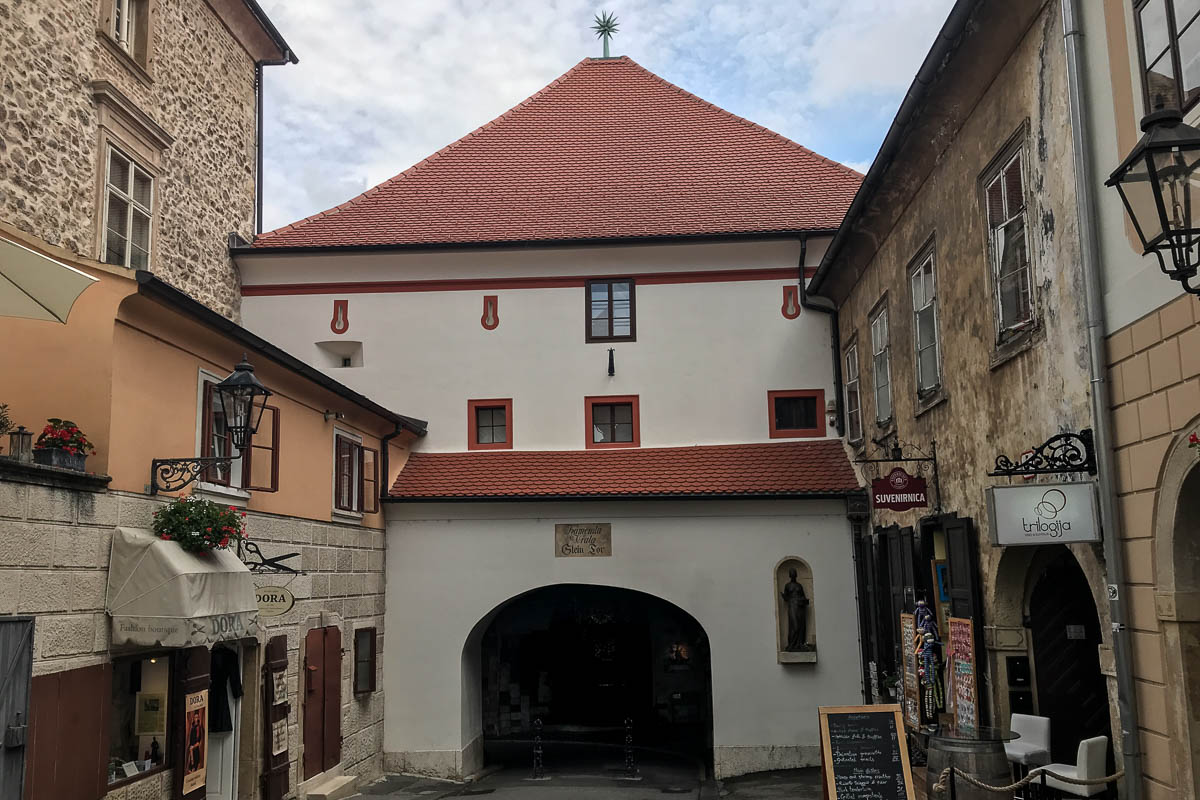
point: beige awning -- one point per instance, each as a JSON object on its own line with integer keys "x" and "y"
{"x": 34, "y": 286}
{"x": 161, "y": 595}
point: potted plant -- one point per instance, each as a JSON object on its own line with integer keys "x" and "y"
{"x": 62, "y": 444}
{"x": 6, "y": 424}
{"x": 200, "y": 525}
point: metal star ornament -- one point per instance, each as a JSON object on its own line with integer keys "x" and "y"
{"x": 605, "y": 27}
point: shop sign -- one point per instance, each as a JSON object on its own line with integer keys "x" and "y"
{"x": 899, "y": 491}
{"x": 583, "y": 540}
{"x": 274, "y": 601}
{"x": 961, "y": 652}
{"x": 1043, "y": 513}
{"x": 195, "y": 739}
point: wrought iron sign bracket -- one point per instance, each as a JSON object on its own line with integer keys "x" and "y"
{"x": 1064, "y": 452}
{"x": 898, "y": 456}
{"x": 173, "y": 474}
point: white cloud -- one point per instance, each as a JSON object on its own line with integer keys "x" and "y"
{"x": 382, "y": 84}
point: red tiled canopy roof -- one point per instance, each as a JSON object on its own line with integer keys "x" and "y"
{"x": 607, "y": 151}
{"x": 785, "y": 469}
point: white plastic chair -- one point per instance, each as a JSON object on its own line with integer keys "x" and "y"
{"x": 1089, "y": 765}
{"x": 1033, "y": 748}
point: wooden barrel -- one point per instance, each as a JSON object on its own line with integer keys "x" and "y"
{"x": 980, "y": 758}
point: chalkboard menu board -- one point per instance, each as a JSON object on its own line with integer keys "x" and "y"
{"x": 864, "y": 753}
{"x": 961, "y": 655}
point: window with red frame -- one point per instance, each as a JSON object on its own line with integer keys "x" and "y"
{"x": 612, "y": 422}
{"x": 796, "y": 413}
{"x": 489, "y": 424}
{"x": 356, "y": 474}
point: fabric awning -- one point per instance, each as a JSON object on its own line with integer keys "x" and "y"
{"x": 35, "y": 286}
{"x": 161, "y": 595}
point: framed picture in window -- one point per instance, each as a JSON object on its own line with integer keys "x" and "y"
{"x": 150, "y": 716}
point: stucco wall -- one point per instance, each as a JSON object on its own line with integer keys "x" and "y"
{"x": 201, "y": 91}
{"x": 450, "y": 566}
{"x": 706, "y": 353}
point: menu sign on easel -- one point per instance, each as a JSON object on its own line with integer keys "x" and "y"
{"x": 960, "y": 653}
{"x": 864, "y": 753}
{"x": 908, "y": 670}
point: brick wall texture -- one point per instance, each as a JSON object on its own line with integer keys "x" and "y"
{"x": 201, "y": 93}
{"x": 54, "y": 554}
{"x": 1154, "y": 378}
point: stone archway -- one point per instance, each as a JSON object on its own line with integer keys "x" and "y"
{"x": 581, "y": 659}
{"x": 1177, "y": 600}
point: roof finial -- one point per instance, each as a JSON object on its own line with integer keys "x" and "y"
{"x": 605, "y": 27}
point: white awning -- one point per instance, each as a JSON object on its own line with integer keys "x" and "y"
{"x": 161, "y": 595}
{"x": 35, "y": 286}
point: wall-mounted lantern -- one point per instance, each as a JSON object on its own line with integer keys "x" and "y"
{"x": 243, "y": 399}
{"x": 1156, "y": 182}
{"x": 20, "y": 444}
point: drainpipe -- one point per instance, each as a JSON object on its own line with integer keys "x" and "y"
{"x": 825, "y": 306}
{"x": 258, "y": 148}
{"x": 384, "y": 461}
{"x": 1093, "y": 296}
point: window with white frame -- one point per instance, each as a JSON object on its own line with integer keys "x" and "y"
{"x": 129, "y": 26}
{"x": 882, "y": 367}
{"x": 128, "y": 210}
{"x": 1009, "y": 246}
{"x": 854, "y": 431}
{"x": 925, "y": 325}
{"x": 355, "y": 475}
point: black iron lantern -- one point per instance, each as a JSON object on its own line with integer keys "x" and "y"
{"x": 1156, "y": 183}
{"x": 243, "y": 399}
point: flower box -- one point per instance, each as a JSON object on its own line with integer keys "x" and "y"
{"x": 60, "y": 458}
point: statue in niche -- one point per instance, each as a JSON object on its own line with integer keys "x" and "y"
{"x": 796, "y": 602}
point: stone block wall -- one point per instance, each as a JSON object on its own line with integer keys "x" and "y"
{"x": 199, "y": 88}
{"x": 54, "y": 555}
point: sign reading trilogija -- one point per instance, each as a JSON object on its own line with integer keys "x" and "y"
{"x": 1043, "y": 513}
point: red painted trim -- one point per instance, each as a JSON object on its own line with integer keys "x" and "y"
{"x": 791, "y": 302}
{"x": 546, "y": 282}
{"x": 796, "y": 433}
{"x": 495, "y": 302}
{"x": 588, "y": 402}
{"x": 473, "y": 431}
{"x": 341, "y": 314}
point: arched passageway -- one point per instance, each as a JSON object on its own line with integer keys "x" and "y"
{"x": 583, "y": 659}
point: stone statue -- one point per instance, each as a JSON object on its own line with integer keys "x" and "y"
{"x": 797, "y": 614}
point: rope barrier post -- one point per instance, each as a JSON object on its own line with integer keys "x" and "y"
{"x": 539, "y": 771}
{"x": 630, "y": 767}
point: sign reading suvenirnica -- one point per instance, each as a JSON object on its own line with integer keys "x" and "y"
{"x": 899, "y": 491}
{"x": 274, "y": 601}
{"x": 582, "y": 539}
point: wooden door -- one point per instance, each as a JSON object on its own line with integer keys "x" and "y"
{"x": 69, "y": 714}
{"x": 192, "y": 674}
{"x": 275, "y": 718}
{"x": 322, "y": 700}
{"x": 16, "y": 668}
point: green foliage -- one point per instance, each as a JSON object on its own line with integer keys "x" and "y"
{"x": 6, "y": 423}
{"x": 199, "y": 525}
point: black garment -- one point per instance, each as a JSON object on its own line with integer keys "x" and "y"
{"x": 224, "y": 669}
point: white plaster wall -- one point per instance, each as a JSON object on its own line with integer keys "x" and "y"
{"x": 450, "y": 566}
{"x": 706, "y": 353}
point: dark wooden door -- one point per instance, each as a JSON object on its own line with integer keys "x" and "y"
{"x": 68, "y": 734}
{"x": 193, "y": 668}
{"x": 16, "y": 669}
{"x": 275, "y": 760}
{"x": 322, "y": 700}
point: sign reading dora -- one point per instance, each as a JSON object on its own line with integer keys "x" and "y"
{"x": 582, "y": 539}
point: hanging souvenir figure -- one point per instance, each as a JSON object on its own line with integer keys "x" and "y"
{"x": 929, "y": 672}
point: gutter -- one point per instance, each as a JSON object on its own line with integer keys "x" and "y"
{"x": 1110, "y": 520}
{"x": 945, "y": 43}
{"x": 826, "y": 306}
{"x": 627, "y": 496}
{"x": 157, "y": 289}
{"x": 386, "y": 485}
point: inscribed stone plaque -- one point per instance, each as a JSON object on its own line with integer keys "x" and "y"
{"x": 583, "y": 539}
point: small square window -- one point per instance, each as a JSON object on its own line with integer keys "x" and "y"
{"x": 489, "y": 424}
{"x": 612, "y": 422}
{"x": 610, "y": 310}
{"x": 796, "y": 413}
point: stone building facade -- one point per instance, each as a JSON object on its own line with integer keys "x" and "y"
{"x": 180, "y": 102}
{"x": 936, "y": 352}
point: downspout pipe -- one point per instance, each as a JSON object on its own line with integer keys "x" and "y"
{"x": 385, "y": 485}
{"x": 258, "y": 147}
{"x": 824, "y": 305}
{"x": 1110, "y": 520}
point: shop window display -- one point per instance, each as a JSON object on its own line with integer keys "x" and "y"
{"x": 139, "y": 715}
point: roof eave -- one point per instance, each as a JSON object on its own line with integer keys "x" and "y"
{"x": 156, "y": 289}
{"x": 821, "y": 495}
{"x": 287, "y": 55}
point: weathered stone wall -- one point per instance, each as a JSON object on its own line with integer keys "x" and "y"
{"x": 54, "y": 555}
{"x": 201, "y": 93}
{"x": 992, "y": 399}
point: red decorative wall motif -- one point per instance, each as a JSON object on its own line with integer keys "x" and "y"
{"x": 491, "y": 312}
{"x": 791, "y": 302}
{"x": 341, "y": 317}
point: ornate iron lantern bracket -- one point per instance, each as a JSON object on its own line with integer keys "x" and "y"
{"x": 173, "y": 474}
{"x": 1064, "y": 452}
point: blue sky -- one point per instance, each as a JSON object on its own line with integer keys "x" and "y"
{"x": 383, "y": 83}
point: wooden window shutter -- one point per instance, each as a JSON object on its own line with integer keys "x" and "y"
{"x": 333, "y": 697}
{"x": 69, "y": 714}
{"x": 192, "y": 667}
{"x": 962, "y": 566}
{"x": 314, "y": 701}
{"x": 260, "y": 462}
{"x": 369, "y": 470}
{"x": 275, "y": 765}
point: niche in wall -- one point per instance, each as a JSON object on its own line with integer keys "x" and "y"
{"x": 796, "y": 636}
{"x": 340, "y": 353}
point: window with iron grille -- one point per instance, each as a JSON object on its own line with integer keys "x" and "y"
{"x": 128, "y": 211}
{"x": 1009, "y": 248}
{"x": 1168, "y": 33}
{"x": 882, "y": 367}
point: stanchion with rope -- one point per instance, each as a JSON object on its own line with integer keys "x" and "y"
{"x": 539, "y": 772}
{"x": 939, "y": 788}
{"x": 630, "y": 767}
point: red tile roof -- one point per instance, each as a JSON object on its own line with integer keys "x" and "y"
{"x": 609, "y": 150}
{"x": 783, "y": 469}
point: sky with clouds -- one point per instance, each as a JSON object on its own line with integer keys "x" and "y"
{"x": 381, "y": 84}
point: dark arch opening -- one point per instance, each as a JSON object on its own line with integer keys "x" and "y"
{"x": 584, "y": 658}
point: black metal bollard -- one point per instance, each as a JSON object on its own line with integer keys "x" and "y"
{"x": 539, "y": 771}
{"x": 630, "y": 766}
